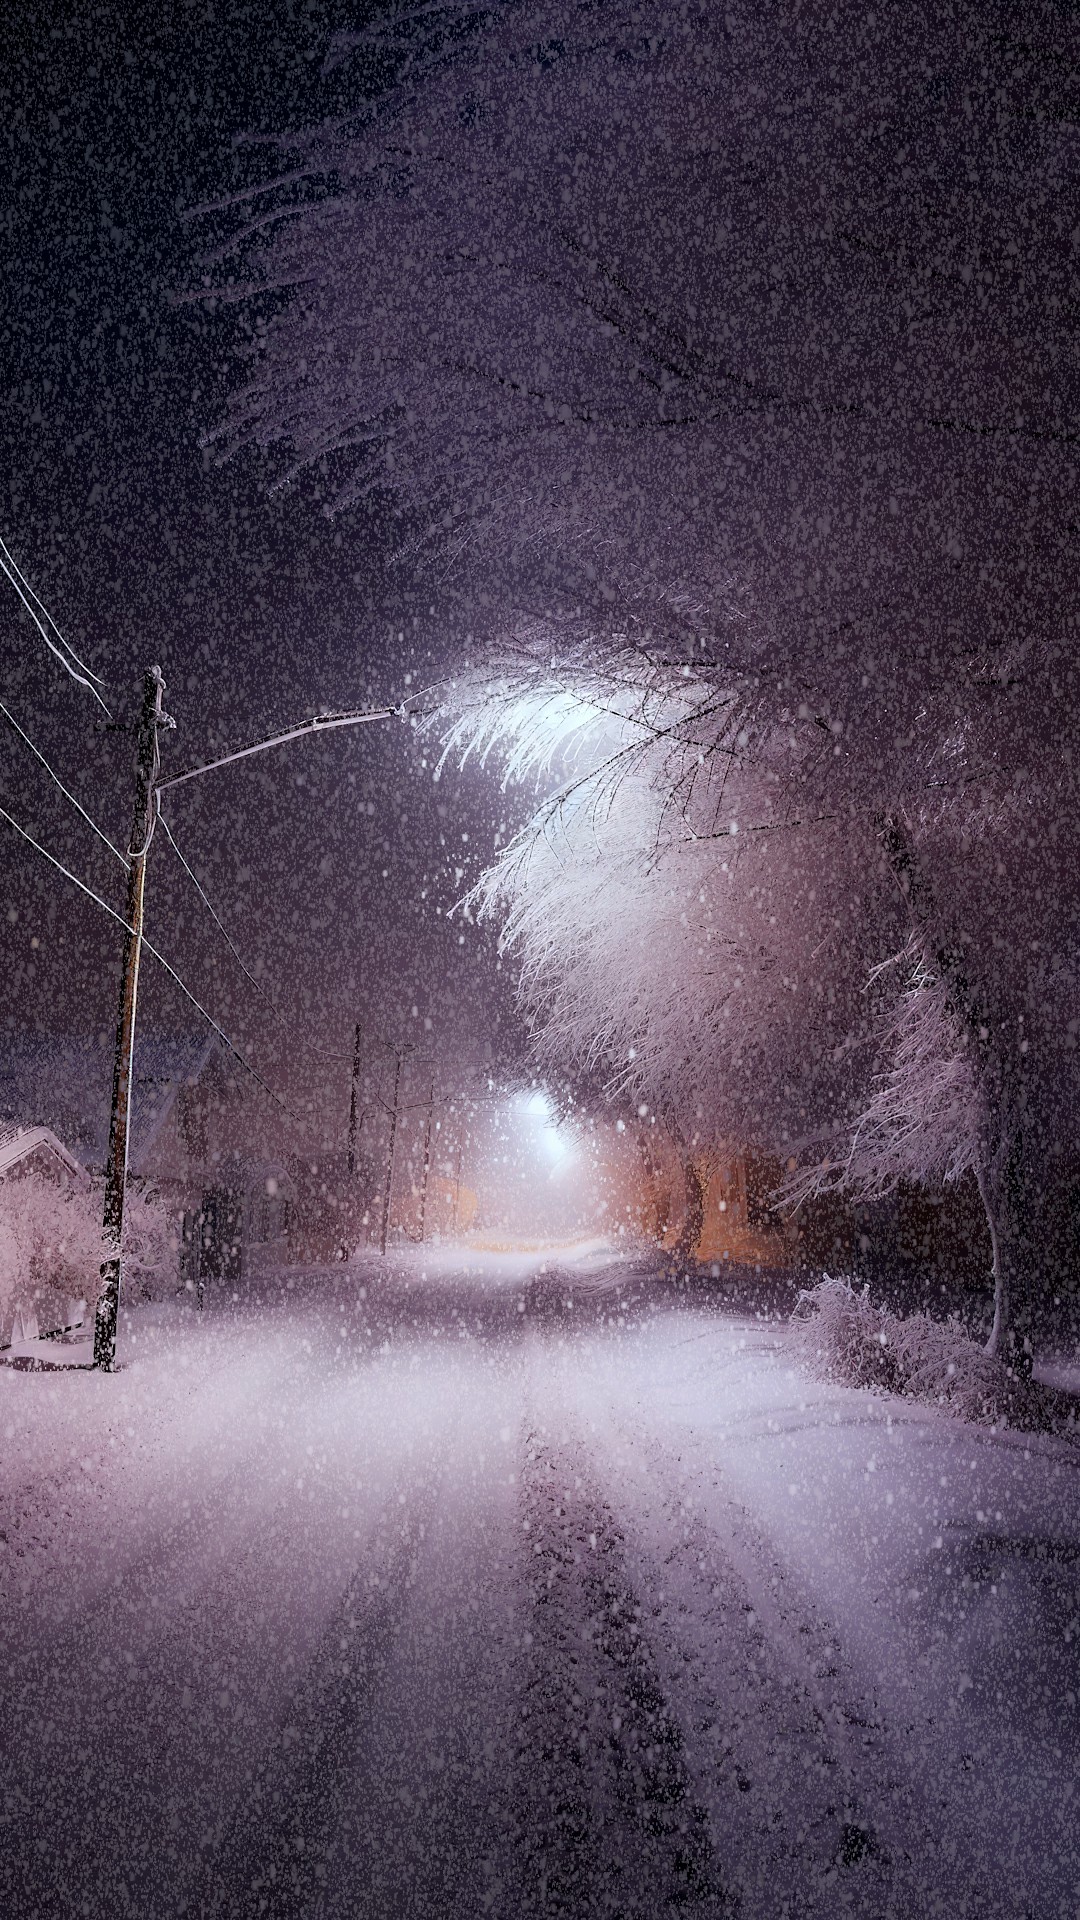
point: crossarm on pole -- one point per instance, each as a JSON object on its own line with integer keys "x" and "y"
{"x": 321, "y": 723}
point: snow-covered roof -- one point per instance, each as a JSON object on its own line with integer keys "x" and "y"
{"x": 159, "y": 1080}
{"x": 17, "y": 1143}
{"x": 66, "y": 1083}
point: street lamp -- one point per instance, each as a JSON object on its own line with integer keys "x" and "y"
{"x": 148, "y": 791}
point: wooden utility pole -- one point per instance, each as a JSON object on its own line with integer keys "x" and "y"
{"x": 427, "y": 1162}
{"x": 390, "y": 1157}
{"x": 150, "y": 719}
{"x": 352, "y": 1102}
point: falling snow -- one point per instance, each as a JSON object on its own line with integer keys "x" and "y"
{"x": 538, "y": 616}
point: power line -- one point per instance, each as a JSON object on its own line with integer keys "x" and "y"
{"x": 211, "y": 909}
{"x": 324, "y": 1053}
{"x": 54, "y": 776}
{"x": 319, "y": 723}
{"x": 159, "y": 957}
{"x": 43, "y": 620}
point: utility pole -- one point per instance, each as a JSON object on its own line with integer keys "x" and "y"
{"x": 427, "y": 1163}
{"x": 390, "y": 1157}
{"x": 151, "y": 718}
{"x": 352, "y": 1101}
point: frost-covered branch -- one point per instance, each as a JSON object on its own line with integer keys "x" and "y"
{"x": 922, "y": 1122}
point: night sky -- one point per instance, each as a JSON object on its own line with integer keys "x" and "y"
{"x": 332, "y": 863}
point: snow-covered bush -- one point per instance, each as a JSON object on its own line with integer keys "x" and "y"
{"x": 842, "y": 1335}
{"x": 151, "y": 1246}
{"x": 50, "y": 1248}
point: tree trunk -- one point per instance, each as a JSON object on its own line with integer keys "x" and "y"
{"x": 1007, "y": 1183}
{"x": 1011, "y": 1214}
{"x": 693, "y": 1216}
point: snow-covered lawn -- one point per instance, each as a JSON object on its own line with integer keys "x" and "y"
{"x": 522, "y": 1585}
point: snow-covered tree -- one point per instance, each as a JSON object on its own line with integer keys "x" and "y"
{"x": 982, "y": 1075}
{"x": 725, "y": 359}
{"x": 732, "y": 322}
{"x": 50, "y": 1247}
{"x": 683, "y": 930}
{"x": 677, "y": 933}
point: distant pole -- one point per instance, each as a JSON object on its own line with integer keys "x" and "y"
{"x": 427, "y": 1162}
{"x": 352, "y": 1101}
{"x": 390, "y": 1156}
{"x": 150, "y": 719}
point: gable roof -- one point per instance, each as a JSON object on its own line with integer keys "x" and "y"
{"x": 66, "y": 1084}
{"x": 155, "y": 1089}
{"x": 17, "y": 1143}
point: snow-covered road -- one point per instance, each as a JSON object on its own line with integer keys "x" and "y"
{"x": 466, "y": 1589}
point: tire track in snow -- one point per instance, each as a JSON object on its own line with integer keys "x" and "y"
{"x": 602, "y": 1813}
{"x": 86, "y": 1674}
{"x": 273, "y": 1858}
{"x": 768, "y": 1756}
{"x": 834, "y": 1823}
{"x": 131, "y": 1671}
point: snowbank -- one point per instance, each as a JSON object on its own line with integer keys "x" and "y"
{"x": 845, "y": 1338}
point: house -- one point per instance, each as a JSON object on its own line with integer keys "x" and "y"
{"x": 332, "y": 1209}
{"x": 201, "y": 1134}
{"x": 65, "y": 1083}
{"x": 934, "y": 1242}
{"x": 46, "y": 1211}
{"x": 38, "y": 1151}
{"x": 213, "y": 1149}
{"x": 242, "y": 1192}
{"x": 59, "y": 1082}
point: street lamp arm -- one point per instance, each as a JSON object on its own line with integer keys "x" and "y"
{"x": 321, "y": 723}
